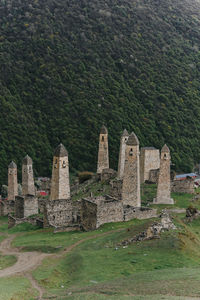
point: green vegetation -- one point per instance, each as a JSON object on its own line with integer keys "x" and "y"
{"x": 68, "y": 66}
{"x": 16, "y": 288}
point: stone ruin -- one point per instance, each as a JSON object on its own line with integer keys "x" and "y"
{"x": 183, "y": 186}
{"x": 123, "y": 202}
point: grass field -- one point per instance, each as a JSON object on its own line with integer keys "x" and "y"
{"x": 97, "y": 268}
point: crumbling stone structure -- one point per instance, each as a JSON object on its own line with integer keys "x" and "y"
{"x": 131, "y": 180}
{"x": 60, "y": 188}
{"x": 100, "y": 210}
{"x": 26, "y": 206}
{"x": 12, "y": 181}
{"x": 6, "y": 207}
{"x": 153, "y": 176}
{"x": 183, "y": 186}
{"x": 103, "y": 156}
{"x": 122, "y": 150}
{"x": 149, "y": 160}
{"x": 28, "y": 187}
{"x": 164, "y": 184}
{"x": 108, "y": 174}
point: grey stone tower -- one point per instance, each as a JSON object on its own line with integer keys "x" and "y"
{"x": 103, "y": 157}
{"x": 60, "y": 188}
{"x": 12, "y": 181}
{"x": 164, "y": 186}
{"x": 28, "y": 187}
{"x": 131, "y": 179}
{"x": 122, "y": 149}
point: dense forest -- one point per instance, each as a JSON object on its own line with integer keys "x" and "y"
{"x": 68, "y": 66}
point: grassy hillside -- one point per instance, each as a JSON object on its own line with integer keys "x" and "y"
{"x": 68, "y": 66}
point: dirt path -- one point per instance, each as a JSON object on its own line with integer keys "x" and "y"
{"x": 28, "y": 261}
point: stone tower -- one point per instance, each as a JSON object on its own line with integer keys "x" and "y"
{"x": 103, "y": 158}
{"x": 60, "y": 188}
{"x": 164, "y": 188}
{"x": 122, "y": 149}
{"x": 12, "y": 181}
{"x": 131, "y": 179}
{"x": 28, "y": 187}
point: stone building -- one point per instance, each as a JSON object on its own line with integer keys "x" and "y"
{"x": 164, "y": 184}
{"x": 149, "y": 160}
{"x": 131, "y": 180}
{"x": 26, "y": 206}
{"x": 100, "y": 210}
{"x": 60, "y": 188}
{"x": 122, "y": 149}
{"x": 28, "y": 187}
{"x": 183, "y": 186}
{"x": 12, "y": 181}
{"x": 103, "y": 156}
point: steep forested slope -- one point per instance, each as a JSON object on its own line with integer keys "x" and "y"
{"x": 66, "y": 67}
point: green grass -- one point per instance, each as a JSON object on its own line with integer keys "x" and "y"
{"x": 97, "y": 189}
{"x": 7, "y": 261}
{"x": 16, "y": 288}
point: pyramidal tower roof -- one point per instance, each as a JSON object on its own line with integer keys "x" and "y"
{"x": 60, "y": 151}
{"x": 104, "y": 130}
{"x": 125, "y": 133}
{"x": 132, "y": 140}
{"x": 27, "y": 160}
{"x": 165, "y": 149}
{"x": 12, "y": 165}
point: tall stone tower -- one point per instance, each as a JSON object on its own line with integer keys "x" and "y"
{"x": 28, "y": 187}
{"x": 164, "y": 188}
{"x": 131, "y": 179}
{"x": 103, "y": 157}
{"x": 60, "y": 188}
{"x": 122, "y": 149}
{"x": 12, "y": 181}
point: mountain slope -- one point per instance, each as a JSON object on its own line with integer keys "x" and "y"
{"x": 66, "y": 67}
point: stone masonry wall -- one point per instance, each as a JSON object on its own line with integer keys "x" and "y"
{"x": 149, "y": 160}
{"x": 88, "y": 215}
{"x": 139, "y": 213}
{"x": 183, "y": 186}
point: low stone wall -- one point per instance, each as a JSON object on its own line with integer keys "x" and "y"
{"x": 41, "y": 204}
{"x": 12, "y": 221}
{"x": 58, "y": 213}
{"x": 183, "y": 186}
{"x": 139, "y": 213}
{"x": 7, "y": 207}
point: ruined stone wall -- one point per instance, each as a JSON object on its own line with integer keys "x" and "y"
{"x": 58, "y": 213}
{"x": 107, "y": 174}
{"x": 116, "y": 189}
{"x": 19, "y": 207}
{"x": 153, "y": 176}
{"x": 109, "y": 211}
{"x": 30, "y": 205}
{"x": 139, "y": 213}
{"x": 7, "y": 207}
{"x": 183, "y": 186}
{"x": 149, "y": 160}
{"x": 88, "y": 215}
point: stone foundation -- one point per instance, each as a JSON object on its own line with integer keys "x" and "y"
{"x": 139, "y": 213}
{"x": 12, "y": 221}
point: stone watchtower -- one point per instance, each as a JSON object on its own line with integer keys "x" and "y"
{"x": 131, "y": 179}
{"x": 12, "y": 181}
{"x": 122, "y": 149}
{"x": 28, "y": 187}
{"x": 164, "y": 188}
{"x": 103, "y": 157}
{"x": 60, "y": 188}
